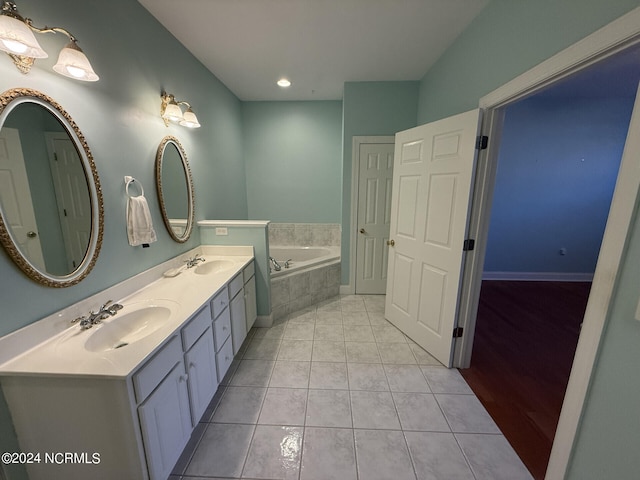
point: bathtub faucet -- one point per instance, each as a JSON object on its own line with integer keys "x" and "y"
{"x": 287, "y": 264}
{"x": 276, "y": 265}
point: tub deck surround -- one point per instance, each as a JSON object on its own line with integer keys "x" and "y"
{"x": 313, "y": 277}
{"x": 302, "y": 257}
{"x": 53, "y": 346}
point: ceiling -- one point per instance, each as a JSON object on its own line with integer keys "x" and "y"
{"x": 317, "y": 44}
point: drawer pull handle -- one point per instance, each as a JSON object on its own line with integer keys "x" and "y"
{"x": 184, "y": 378}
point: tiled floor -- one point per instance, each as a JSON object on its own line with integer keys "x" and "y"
{"x": 337, "y": 392}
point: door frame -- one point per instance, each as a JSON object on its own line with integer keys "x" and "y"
{"x": 610, "y": 39}
{"x": 355, "y": 177}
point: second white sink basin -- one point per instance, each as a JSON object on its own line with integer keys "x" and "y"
{"x": 213, "y": 266}
{"x": 133, "y": 323}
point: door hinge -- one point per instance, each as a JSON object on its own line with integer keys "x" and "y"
{"x": 482, "y": 142}
{"x": 468, "y": 245}
{"x": 457, "y": 332}
{"x": 55, "y": 156}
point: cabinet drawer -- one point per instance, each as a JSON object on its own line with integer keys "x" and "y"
{"x": 196, "y": 327}
{"x": 235, "y": 285}
{"x": 151, "y": 374}
{"x": 221, "y": 329}
{"x": 220, "y": 302}
{"x": 223, "y": 359}
{"x": 248, "y": 272}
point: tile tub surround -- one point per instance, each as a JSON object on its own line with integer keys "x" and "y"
{"x": 305, "y": 234}
{"x": 315, "y": 397}
{"x": 297, "y": 290}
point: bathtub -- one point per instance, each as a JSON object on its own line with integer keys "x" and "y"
{"x": 302, "y": 258}
{"x": 313, "y": 276}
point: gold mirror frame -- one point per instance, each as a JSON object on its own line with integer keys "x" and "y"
{"x": 93, "y": 185}
{"x": 189, "y": 184}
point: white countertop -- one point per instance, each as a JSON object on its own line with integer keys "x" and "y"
{"x": 53, "y": 346}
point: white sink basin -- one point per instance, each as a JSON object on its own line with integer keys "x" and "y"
{"x": 133, "y": 323}
{"x": 213, "y": 266}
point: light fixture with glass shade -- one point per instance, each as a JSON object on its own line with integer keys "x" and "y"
{"x": 18, "y": 40}
{"x": 170, "y": 111}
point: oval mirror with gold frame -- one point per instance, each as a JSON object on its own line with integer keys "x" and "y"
{"x": 175, "y": 189}
{"x": 51, "y": 209}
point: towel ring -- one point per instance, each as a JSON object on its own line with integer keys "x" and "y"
{"x": 128, "y": 181}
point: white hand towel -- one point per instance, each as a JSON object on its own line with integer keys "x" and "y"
{"x": 139, "y": 224}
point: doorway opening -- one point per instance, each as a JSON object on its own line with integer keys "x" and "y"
{"x": 558, "y": 161}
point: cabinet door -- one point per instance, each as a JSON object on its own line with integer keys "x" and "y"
{"x": 166, "y": 423}
{"x": 250, "y": 306}
{"x": 203, "y": 380}
{"x": 238, "y": 321}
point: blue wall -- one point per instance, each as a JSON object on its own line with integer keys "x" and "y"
{"x": 557, "y": 169}
{"x": 293, "y": 160}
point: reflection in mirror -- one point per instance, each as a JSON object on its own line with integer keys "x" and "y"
{"x": 175, "y": 188}
{"x": 50, "y": 198}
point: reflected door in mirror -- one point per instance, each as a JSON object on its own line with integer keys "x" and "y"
{"x": 15, "y": 196}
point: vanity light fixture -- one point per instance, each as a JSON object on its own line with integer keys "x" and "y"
{"x": 18, "y": 40}
{"x": 284, "y": 83}
{"x": 170, "y": 111}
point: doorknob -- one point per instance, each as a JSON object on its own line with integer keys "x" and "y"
{"x": 362, "y": 230}
{"x": 32, "y": 234}
{"x": 391, "y": 242}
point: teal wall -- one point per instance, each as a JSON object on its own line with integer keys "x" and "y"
{"x": 370, "y": 108}
{"x": 136, "y": 59}
{"x": 293, "y": 160}
{"x": 506, "y": 39}
{"x": 119, "y": 116}
{"x": 258, "y": 238}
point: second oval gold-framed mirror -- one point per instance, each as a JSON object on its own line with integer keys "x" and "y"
{"x": 175, "y": 189}
{"x": 51, "y": 209}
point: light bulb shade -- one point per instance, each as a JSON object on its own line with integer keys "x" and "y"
{"x": 73, "y": 63}
{"x": 173, "y": 112}
{"x": 17, "y": 38}
{"x": 189, "y": 119}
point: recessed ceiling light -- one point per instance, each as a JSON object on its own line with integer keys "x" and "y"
{"x": 283, "y": 82}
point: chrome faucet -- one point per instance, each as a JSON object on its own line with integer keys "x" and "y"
{"x": 276, "y": 265}
{"x": 192, "y": 262}
{"x": 107, "y": 310}
{"x": 287, "y": 264}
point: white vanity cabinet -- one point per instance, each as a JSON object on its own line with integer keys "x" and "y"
{"x": 222, "y": 332}
{"x": 137, "y": 423}
{"x": 200, "y": 362}
{"x": 165, "y": 419}
{"x": 243, "y": 309}
{"x": 237, "y": 310}
{"x": 250, "y": 301}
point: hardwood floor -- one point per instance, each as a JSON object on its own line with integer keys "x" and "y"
{"x": 525, "y": 341}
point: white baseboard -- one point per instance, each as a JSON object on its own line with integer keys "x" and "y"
{"x": 539, "y": 276}
{"x": 264, "y": 321}
{"x": 346, "y": 290}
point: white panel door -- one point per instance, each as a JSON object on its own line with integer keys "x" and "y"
{"x": 432, "y": 179}
{"x": 15, "y": 194}
{"x": 374, "y": 217}
{"x": 72, "y": 196}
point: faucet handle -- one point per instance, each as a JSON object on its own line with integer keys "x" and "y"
{"x": 76, "y": 320}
